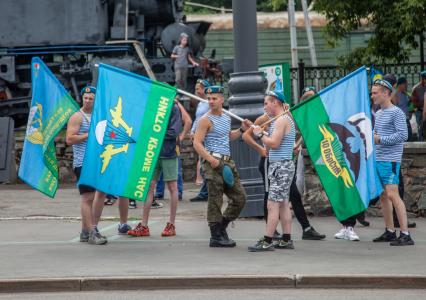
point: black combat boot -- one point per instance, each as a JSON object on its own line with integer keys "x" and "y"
{"x": 225, "y": 223}
{"x": 217, "y": 239}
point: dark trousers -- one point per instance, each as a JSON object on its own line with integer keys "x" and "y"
{"x": 410, "y": 131}
{"x": 295, "y": 198}
{"x": 349, "y": 222}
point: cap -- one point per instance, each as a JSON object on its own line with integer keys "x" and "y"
{"x": 88, "y": 89}
{"x": 214, "y": 89}
{"x": 277, "y": 94}
{"x": 384, "y": 83}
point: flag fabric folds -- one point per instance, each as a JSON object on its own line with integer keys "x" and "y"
{"x": 336, "y": 125}
{"x": 51, "y": 107}
{"x": 375, "y": 74}
{"x": 129, "y": 120}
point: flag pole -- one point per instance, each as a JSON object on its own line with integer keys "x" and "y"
{"x": 224, "y": 110}
{"x": 274, "y": 118}
{"x": 205, "y": 101}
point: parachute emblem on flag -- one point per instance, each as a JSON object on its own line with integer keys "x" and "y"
{"x": 332, "y": 156}
{"x": 35, "y": 125}
{"x": 114, "y": 134}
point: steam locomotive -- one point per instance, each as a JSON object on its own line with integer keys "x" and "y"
{"x": 73, "y": 36}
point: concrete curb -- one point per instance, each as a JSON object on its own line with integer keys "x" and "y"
{"x": 361, "y": 281}
{"x": 185, "y": 282}
{"x": 210, "y": 282}
{"x": 40, "y": 285}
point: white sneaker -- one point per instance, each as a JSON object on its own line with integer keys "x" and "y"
{"x": 351, "y": 235}
{"x": 341, "y": 235}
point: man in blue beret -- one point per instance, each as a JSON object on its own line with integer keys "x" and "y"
{"x": 309, "y": 233}
{"x": 279, "y": 143}
{"x": 390, "y": 133}
{"x": 211, "y": 141}
{"x": 77, "y": 134}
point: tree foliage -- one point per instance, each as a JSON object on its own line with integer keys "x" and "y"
{"x": 397, "y": 25}
{"x": 262, "y": 5}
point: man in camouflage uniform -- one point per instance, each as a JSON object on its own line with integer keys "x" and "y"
{"x": 211, "y": 141}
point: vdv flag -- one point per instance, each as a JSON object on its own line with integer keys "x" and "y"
{"x": 51, "y": 107}
{"x": 337, "y": 129}
{"x": 375, "y": 74}
{"x": 129, "y": 121}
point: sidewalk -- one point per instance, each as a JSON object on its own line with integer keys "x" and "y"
{"x": 34, "y": 247}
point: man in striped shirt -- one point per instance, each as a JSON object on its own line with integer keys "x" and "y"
{"x": 77, "y": 134}
{"x": 389, "y": 137}
{"x": 211, "y": 141}
{"x": 279, "y": 142}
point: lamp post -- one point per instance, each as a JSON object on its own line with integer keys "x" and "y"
{"x": 247, "y": 87}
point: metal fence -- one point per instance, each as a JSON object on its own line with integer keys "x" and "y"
{"x": 323, "y": 76}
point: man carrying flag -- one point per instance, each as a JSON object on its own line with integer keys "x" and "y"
{"x": 167, "y": 165}
{"x": 77, "y": 134}
{"x": 309, "y": 233}
{"x": 280, "y": 142}
{"x": 129, "y": 121}
{"x": 211, "y": 141}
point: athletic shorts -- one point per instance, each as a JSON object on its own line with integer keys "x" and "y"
{"x": 169, "y": 167}
{"x": 83, "y": 189}
{"x": 280, "y": 174}
{"x": 388, "y": 172}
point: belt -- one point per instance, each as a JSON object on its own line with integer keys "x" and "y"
{"x": 220, "y": 156}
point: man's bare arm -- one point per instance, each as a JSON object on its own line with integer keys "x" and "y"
{"x": 72, "y": 137}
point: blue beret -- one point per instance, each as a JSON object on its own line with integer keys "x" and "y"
{"x": 214, "y": 89}
{"x": 204, "y": 82}
{"x": 384, "y": 83}
{"x": 228, "y": 176}
{"x": 423, "y": 74}
{"x": 277, "y": 94}
{"x": 88, "y": 89}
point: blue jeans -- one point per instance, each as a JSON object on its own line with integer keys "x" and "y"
{"x": 159, "y": 191}
{"x": 203, "y": 193}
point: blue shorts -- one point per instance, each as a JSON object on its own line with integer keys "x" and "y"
{"x": 388, "y": 172}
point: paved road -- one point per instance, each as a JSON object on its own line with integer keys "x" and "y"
{"x": 49, "y": 248}
{"x": 270, "y": 294}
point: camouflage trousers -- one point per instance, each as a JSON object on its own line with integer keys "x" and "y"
{"x": 216, "y": 188}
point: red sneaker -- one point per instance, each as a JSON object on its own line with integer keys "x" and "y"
{"x": 169, "y": 230}
{"x": 139, "y": 230}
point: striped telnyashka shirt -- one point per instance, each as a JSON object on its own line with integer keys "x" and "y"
{"x": 390, "y": 125}
{"x": 79, "y": 149}
{"x": 217, "y": 139}
{"x": 285, "y": 150}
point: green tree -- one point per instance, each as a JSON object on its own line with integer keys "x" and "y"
{"x": 397, "y": 25}
{"x": 262, "y": 5}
